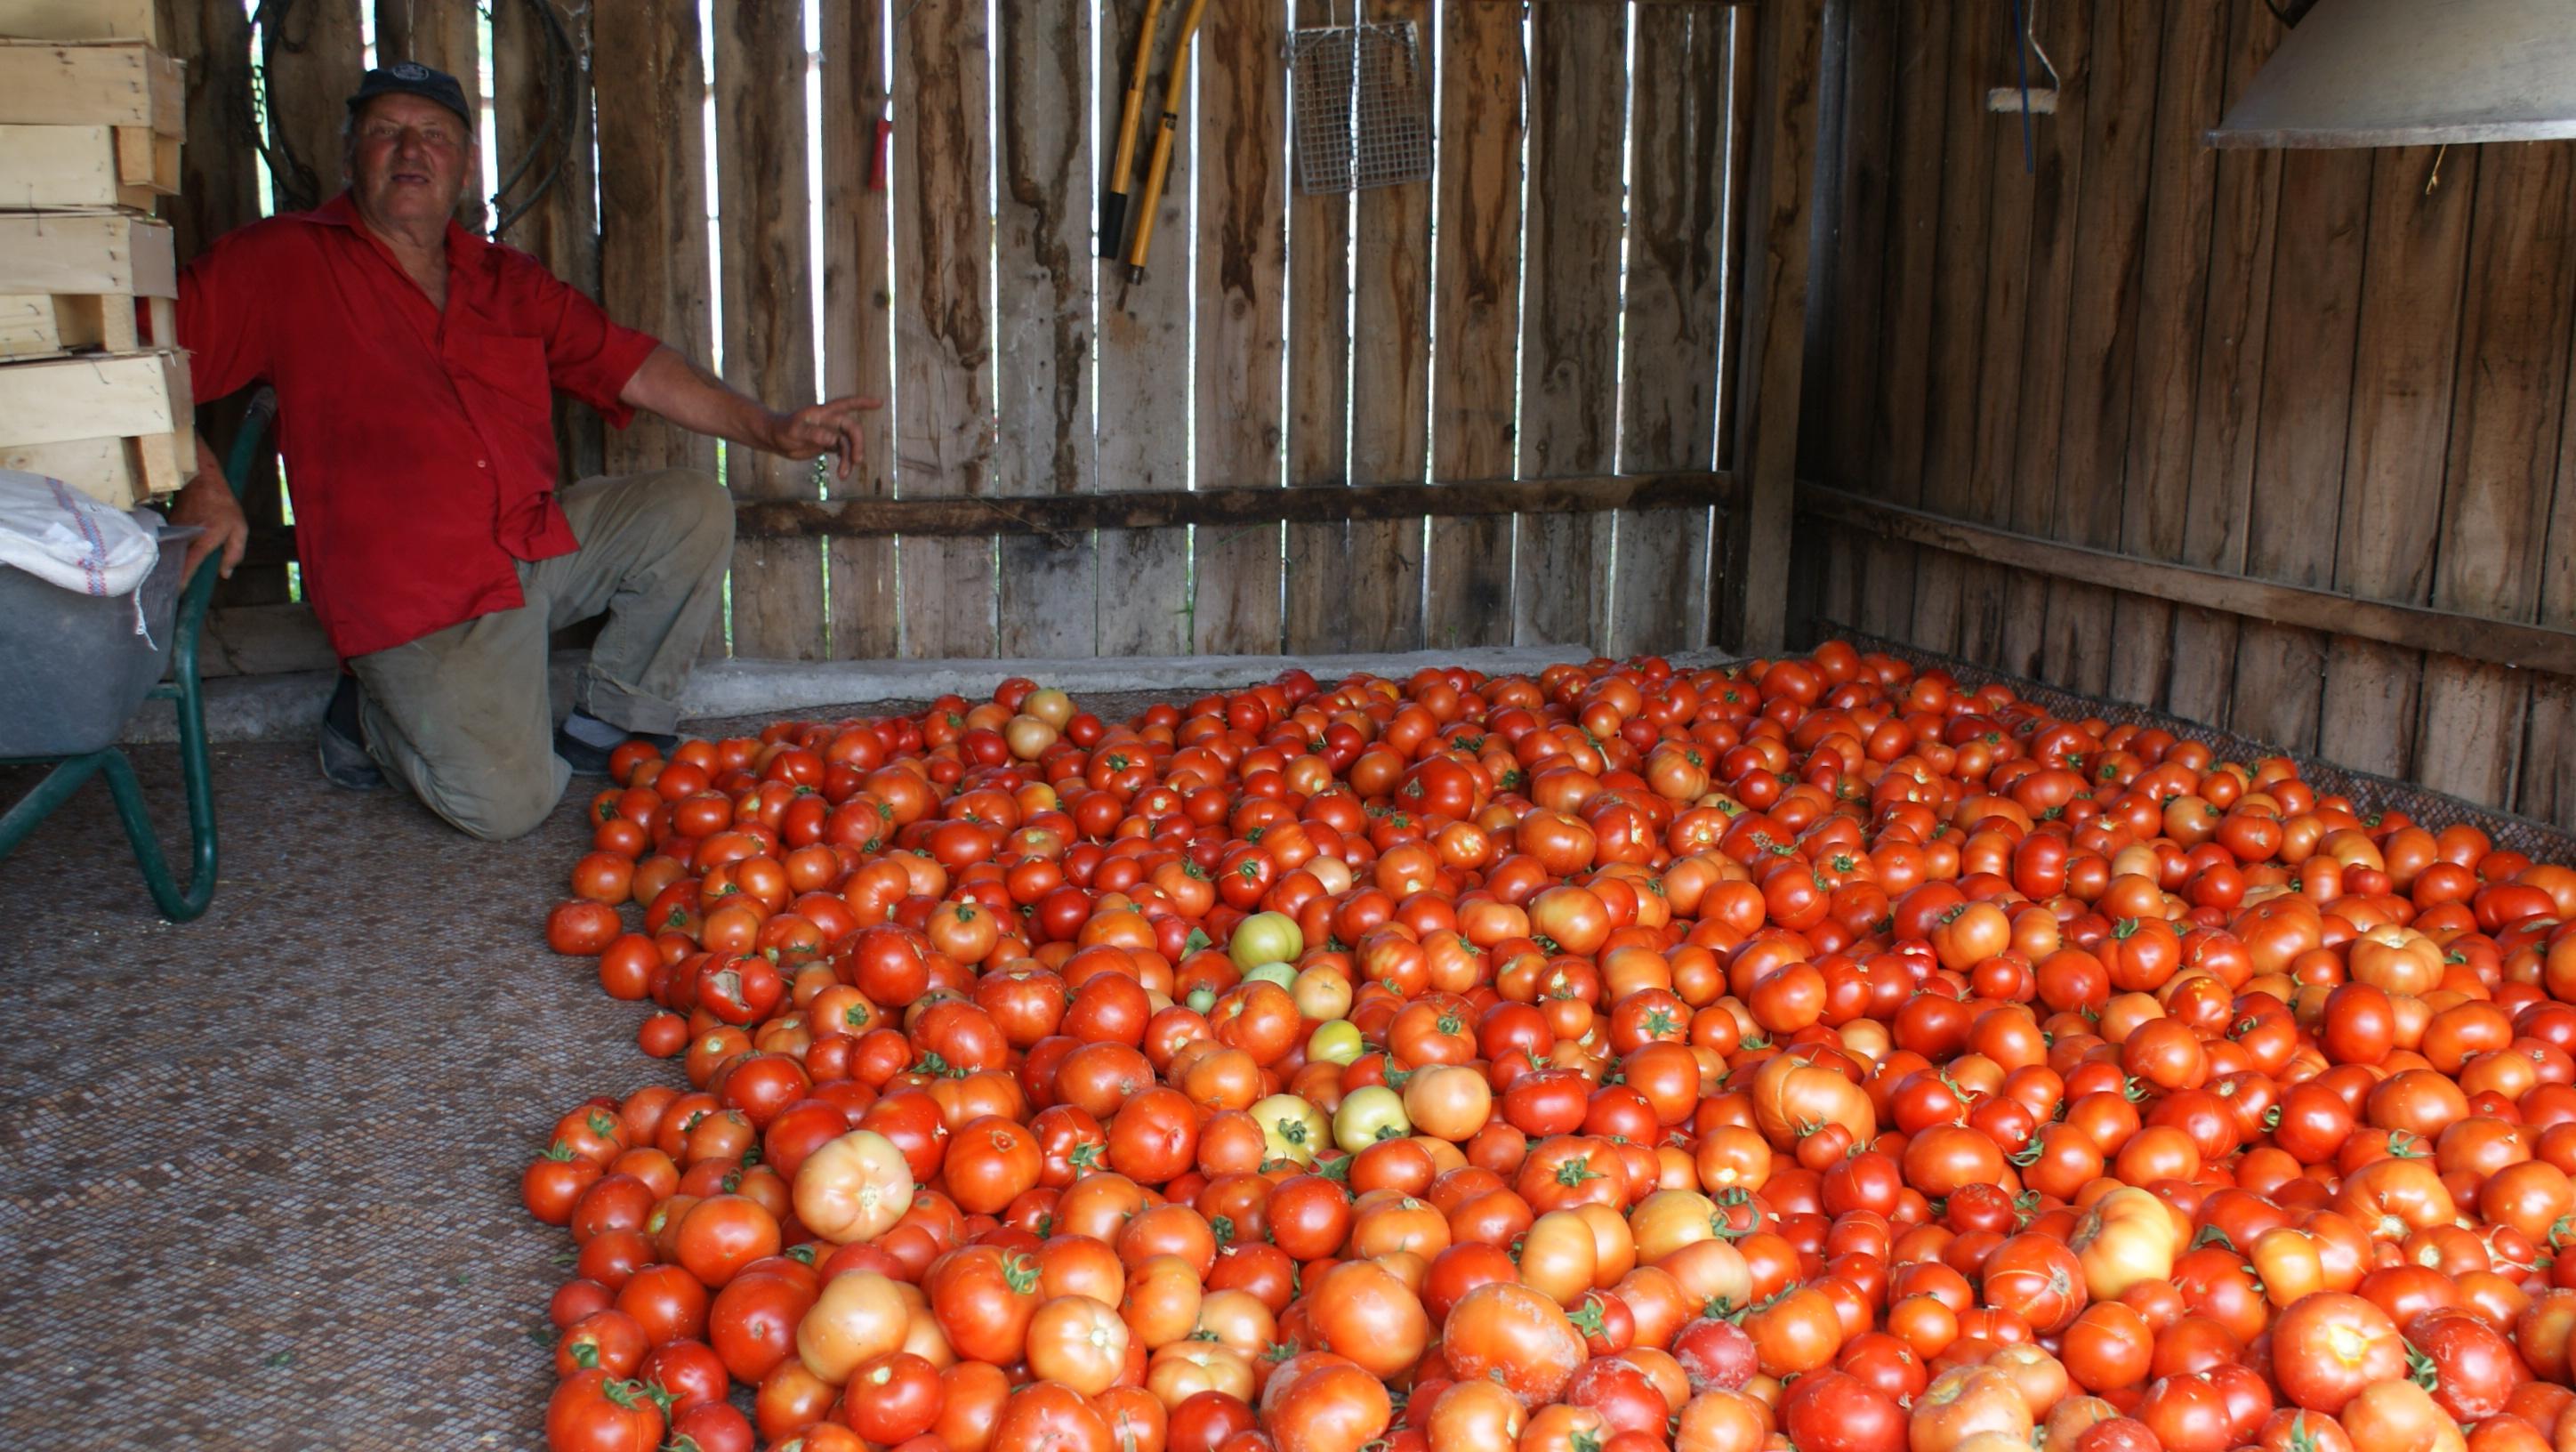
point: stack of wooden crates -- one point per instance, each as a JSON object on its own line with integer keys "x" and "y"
{"x": 93, "y": 387}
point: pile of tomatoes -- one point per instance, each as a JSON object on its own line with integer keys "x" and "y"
{"x": 1814, "y": 1054}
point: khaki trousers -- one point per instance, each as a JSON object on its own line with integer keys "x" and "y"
{"x": 462, "y": 716}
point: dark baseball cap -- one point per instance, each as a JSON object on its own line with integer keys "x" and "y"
{"x": 411, "y": 78}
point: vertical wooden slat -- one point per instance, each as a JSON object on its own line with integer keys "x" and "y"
{"x": 2235, "y": 333}
{"x": 441, "y": 34}
{"x": 1845, "y": 398}
{"x": 943, "y": 339}
{"x": 1482, "y": 76}
{"x": 2408, "y": 341}
{"x": 2504, "y": 457}
{"x": 1391, "y": 383}
{"x": 2057, "y": 192}
{"x": 763, "y": 236}
{"x": 1922, "y": 39}
{"x": 858, "y": 313}
{"x": 1844, "y": 404}
{"x": 2545, "y": 787}
{"x": 1242, "y": 280}
{"x": 560, "y": 223}
{"x": 2102, "y": 332}
{"x": 218, "y": 191}
{"x": 1319, "y": 380}
{"x": 2173, "y": 289}
{"x": 1145, "y": 362}
{"x": 311, "y": 58}
{"x": 651, "y": 82}
{"x": 1043, "y": 326}
{"x": 1959, "y": 313}
{"x": 2012, "y": 212}
{"x": 1659, "y": 598}
{"x": 2306, "y": 409}
{"x": 1569, "y": 340}
{"x": 1779, "y": 206}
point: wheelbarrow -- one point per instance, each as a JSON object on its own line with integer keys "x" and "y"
{"x": 177, "y": 903}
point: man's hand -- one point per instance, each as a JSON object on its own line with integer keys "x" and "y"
{"x": 830, "y": 427}
{"x": 208, "y": 501}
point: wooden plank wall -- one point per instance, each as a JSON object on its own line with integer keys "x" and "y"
{"x": 1552, "y": 303}
{"x": 2344, "y": 370}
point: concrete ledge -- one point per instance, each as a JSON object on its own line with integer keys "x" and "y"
{"x": 286, "y": 707}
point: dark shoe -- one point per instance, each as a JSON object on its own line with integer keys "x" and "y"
{"x": 345, "y": 762}
{"x": 587, "y": 758}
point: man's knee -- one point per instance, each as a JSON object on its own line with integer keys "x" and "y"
{"x": 696, "y": 508}
{"x": 493, "y": 795}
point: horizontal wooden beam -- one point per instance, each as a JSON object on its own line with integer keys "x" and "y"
{"x": 1066, "y": 515}
{"x": 2415, "y": 627}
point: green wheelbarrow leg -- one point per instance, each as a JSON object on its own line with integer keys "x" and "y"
{"x": 52, "y": 792}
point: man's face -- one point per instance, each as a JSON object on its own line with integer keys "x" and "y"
{"x": 407, "y": 160}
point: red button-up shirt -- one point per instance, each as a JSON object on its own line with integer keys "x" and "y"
{"x": 419, "y": 446}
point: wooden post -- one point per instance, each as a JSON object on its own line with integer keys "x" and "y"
{"x": 1779, "y": 199}
{"x": 858, "y": 313}
{"x": 768, "y": 308}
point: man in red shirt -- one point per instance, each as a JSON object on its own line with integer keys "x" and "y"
{"x": 415, "y": 365}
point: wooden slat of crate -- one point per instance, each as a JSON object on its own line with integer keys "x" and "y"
{"x": 82, "y": 168}
{"x": 79, "y": 20}
{"x": 118, "y": 395}
{"x": 115, "y": 83}
{"x": 44, "y": 325}
{"x": 123, "y": 472}
{"x": 87, "y": 254}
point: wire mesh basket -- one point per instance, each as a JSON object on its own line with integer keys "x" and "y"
{"x": 1362, "y": 106}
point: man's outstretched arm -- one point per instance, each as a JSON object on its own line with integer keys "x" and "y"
{"x": 697, "y": 400}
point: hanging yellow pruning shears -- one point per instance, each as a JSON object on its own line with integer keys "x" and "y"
{"x": 1113, "y": 202}
{"x": 1157, "y": 170}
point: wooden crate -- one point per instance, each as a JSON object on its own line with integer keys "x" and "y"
{"x": 93, "y": 83}
{"x": 88, "y": 126}
{"x": 85, "y": 168}
{"x": 79, "y": 20}
{"x": 71, "y": 283}
{"x": 119, "y": 427}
